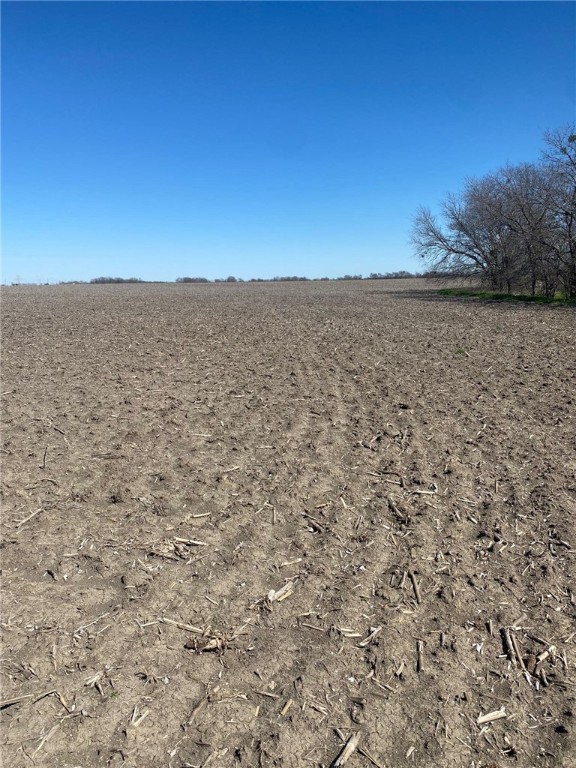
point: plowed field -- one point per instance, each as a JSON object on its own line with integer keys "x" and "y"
{"x": 244, "y": 524}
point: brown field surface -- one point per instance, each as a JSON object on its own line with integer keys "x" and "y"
{"x": 243, "y": 523}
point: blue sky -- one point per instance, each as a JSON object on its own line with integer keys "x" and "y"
{"x": 160, "y": 139}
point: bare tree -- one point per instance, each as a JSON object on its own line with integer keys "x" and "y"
{"x": 515, "y": 228}
{"x": 472, "y": 242}
{"x": 560, "y": 158}
{"x": 522, "y": 201}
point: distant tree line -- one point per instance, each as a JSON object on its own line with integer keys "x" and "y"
{"x": 514, "y": 229}
{"x": 288, "y": 279}
{"x": 350, "y": 277}
{"x": 402, "y": 274}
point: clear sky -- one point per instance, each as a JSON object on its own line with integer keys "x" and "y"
{"x": 170, "y": 139}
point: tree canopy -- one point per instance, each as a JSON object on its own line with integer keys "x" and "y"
{"x": 514, "y": 229}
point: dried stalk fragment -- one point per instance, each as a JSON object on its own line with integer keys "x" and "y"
{"x": 348, "y": 632}
{"x": 517, "y": 652}
{"x": 181, "y": 625}
{"x": 497, "y": 714}
{"x": 415, "y": 586}
{"x": 508, "y": 644}
{"x": 9, "y": 702}
{"x": 347, "y": 751}
{"x": 45, "y": 738}
{"x": 545, "y": 654}
{"x": 370, "y": 637}
{"x": 419, "y": 656}
{"x": 426, "y": 493}
{"x": 191, "y": 542}
{"x": 282, "y": 593}
{"x": 27, "y": 519}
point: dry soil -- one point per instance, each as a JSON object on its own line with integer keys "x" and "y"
{"x": 243, "y": 523}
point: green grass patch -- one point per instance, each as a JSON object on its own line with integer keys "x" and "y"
{"x": 496, "y": 296}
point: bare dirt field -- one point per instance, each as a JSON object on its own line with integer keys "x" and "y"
{"x": 246, "y": 524}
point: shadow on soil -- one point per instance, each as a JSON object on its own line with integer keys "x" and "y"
{"x": 501, "y": 304}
